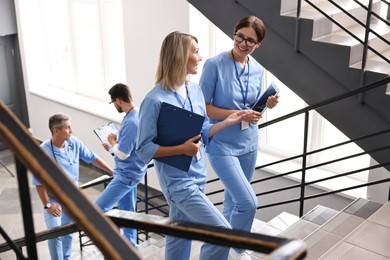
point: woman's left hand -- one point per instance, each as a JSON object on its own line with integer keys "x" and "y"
{"x": 272, "y": 101}
{"x": 253, "y": 117}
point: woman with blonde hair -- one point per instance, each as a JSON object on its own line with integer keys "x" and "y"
{"x": 183, "y": 190}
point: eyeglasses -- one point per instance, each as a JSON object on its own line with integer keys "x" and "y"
{"x": 112, "y": 101}
{"x": 238, "y": 37}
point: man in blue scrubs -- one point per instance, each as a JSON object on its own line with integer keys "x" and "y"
{"x": 66, "y": 150}
{"x": 129, "y": 169}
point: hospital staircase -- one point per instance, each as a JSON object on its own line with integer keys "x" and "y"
{"x": 359, "y": 231}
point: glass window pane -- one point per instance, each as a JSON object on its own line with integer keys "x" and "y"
{"x": 89, "y": 53}
{"x": 59, "y": 49}
{"x": 114, "y": 43}
{"x": 332, "y": 136}
{"x": 285, "y": 136}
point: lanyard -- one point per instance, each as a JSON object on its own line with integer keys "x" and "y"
{"x": 244, "y": 95}
{"x": 69, "y": 147}
{"x": 185, "y": 100}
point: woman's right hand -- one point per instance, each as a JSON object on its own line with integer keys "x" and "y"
{"x": 191, "y": 146}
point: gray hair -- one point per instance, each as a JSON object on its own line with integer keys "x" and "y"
{"x": 57, "y": 121}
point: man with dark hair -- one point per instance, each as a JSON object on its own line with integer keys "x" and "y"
{"x": 66, "y": 150}
{"x": 129, "y": 169}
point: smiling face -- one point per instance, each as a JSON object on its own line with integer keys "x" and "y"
{"x": 241, "y": 49}
{"x": 193, "y": 58}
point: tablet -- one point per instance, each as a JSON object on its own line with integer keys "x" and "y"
{"x": 261, "y": 104}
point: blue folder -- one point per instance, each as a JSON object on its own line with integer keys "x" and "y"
{"x": 176, "y": 125}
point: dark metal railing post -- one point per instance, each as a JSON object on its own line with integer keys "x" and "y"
{"x": 365, "y": 49}
{"x": 297, "y": 26}
{"x": 304, "y": 161}
{"x": 25, "y": 201}
{"x": 17, "y": 250}
{"x": 146, "y": 201}
{"x": 388, "y": 196}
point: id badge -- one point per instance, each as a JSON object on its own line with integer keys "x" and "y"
{"x": 244, "y": 125}
{"x": 198, "y": 156}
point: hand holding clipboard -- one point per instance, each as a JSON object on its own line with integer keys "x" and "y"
{"x": 174, "y": 127}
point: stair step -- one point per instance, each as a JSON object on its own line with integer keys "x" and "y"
{"x": 309, "y": 222}
{"x": 322, "y": 26}
{"x": 289, "y": 7}
{"x": 376, "y": 64}
{"x": 341, "y": 226}
{"x": 283, "y": 221}
{"x": 345, "y": 250}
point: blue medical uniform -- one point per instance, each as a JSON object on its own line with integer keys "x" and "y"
{"x": 69, "y": 159}
{"x": 127, "y": 174}
{"x": 225, "y": 84}
{"x": 182, "y": 190}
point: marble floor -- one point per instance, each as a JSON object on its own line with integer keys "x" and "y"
{"x": 10, "y": 212}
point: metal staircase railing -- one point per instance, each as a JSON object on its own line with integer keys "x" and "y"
{"x": 98, "y": 227}
{"x": 29, "y": 155}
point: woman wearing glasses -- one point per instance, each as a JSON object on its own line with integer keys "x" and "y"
{"x": 231, "y": 81}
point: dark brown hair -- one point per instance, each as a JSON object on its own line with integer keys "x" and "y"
{"x": 253, "y": 22}
{"x": 120, "y": 91}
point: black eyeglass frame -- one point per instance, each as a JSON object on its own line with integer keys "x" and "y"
{"x": 250, "y": 40}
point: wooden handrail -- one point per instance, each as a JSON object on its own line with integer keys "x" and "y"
{"x": 86, "y": 215}
{"x": 275, "y": 246}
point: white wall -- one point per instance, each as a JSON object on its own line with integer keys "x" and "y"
{"x": 146, "y": 23}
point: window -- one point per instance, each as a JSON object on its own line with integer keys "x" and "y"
{"x": 74, "y": 46}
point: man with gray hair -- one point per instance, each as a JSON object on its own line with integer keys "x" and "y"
{"x": 66, "y": 150}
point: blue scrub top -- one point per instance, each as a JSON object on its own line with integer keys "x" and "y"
{"x": 68, "y": 157}
{"x": 132, "y": 168}
{"x": 222, "y": 89}
{"x": 148, "y": 117}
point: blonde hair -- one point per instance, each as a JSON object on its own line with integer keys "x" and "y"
{"x": 174, "y": 54}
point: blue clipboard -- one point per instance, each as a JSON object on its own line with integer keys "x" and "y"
{"x": 176, "y": 125}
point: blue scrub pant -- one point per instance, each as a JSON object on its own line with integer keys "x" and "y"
{"x": 189, "y": 204}
{"x": 125, "y": 194}
{"x": 240, "y": 201}
{"x": 60, "y": 248}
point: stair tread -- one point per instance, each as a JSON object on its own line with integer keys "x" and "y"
{"x": 307, "y": 11}
{"x": 342, "y": 235}
{"x": 343, "y": 38}
{"x": 375, "y": 65}
{"x": 343, "y": 250}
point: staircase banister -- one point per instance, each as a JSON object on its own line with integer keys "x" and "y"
{"x": 210, "y": 234}
{"x": 42, "y": 236}
{"x": 87, "y": 216}
{"x": 294, "y": 249}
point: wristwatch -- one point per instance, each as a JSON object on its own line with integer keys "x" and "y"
{"x": 47, "y": 206}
